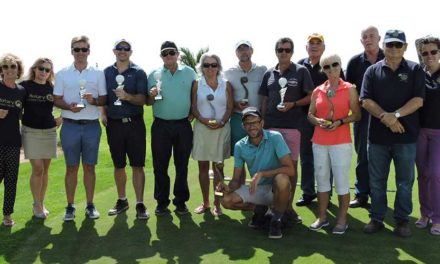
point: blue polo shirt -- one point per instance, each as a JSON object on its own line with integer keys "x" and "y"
{"x": 391, "y": 90}
{"x": 135, "y": 83}
{"x": 265, "y": 156}
{"x": 299, "y": 83}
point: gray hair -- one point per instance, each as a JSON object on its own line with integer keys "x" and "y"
{"x": 329, "y": 59}
{"x": 208, "y": 55}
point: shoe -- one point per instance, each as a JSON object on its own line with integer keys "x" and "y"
{"x": 422, "y": 222}
{"x": 182, "y": 209}
{"x": 46, "y": 212}
{"x": 402, "y": 229}
{"x": 161, "y": 211}
{"x": 339, "y": 229}
{"x": 358, "y": 202}
{"x": 305, "y": 200}
{"x": 216, "y": 210}
{"x": 41, "y": 215}
{"x": 121, "y": 206}
{"x": 201, "y": 209}
{"x": 8, "y": 222}
{"x": 318, "y": 224}
{"x": 435, "y": 230}
{"x": 275, "y": 229}
{"x": 258, "y": 219}
{"x": 69, "y": 215}
{"x": 91, "y": 212}
{"x": 289, "y": 218}
{"x": 373, "y": 226}
{"x": 141, "y": 212}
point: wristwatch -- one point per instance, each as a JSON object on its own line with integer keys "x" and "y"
{"x": 397, "y": 114}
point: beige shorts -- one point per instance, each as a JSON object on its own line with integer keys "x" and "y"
{"x": 39, "y": 143}
{"x": 262, "y": 196}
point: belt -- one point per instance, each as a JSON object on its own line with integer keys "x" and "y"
{"x": 80, "y": 122}
{"x": 171, "y": 121}
{"x": 126, "y": 119}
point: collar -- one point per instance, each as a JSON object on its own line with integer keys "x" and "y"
{"x": 380, "y": 56}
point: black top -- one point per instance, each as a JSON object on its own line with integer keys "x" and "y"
{"x": 392, "y": 90}
{"x": 299, "y": 83}
{"x": 11, "y": 100}
{"x": 430, "y": 112}
{"x": 38, "y": 105}
{"x": 357, "y": 66}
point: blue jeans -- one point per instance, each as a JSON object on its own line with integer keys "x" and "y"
{"x": 360, "y": 132}
{"x": 380, "y": 156}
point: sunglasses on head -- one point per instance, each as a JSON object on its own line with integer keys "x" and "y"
{"x": 165, "y": 53}
{"x": 281, "y": 50}
{"x": 432, "y": 52}
{"x": 80, "y": 49}
{"x": 123, "y": 48}
{"x": 41, "y": 68}
{"x": 6, "y": 66}
{"x": 333, "y": 65}
{"x": 212, "y": 65}
{"x": 397, "y": 45}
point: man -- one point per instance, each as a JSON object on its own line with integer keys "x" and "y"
{"x": 246, "y": 79}
{"x": 126, "y": 134}
{"x": 171, "y": 130}
{"x": 81, "y": 132}
{"x": 267, "y": 157}
{"x": 392, "y": 91}
{"x": 287, "y": 119}
{"x": 356, "y": 68}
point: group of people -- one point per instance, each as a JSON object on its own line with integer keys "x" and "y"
{"x": 267, "y": 119}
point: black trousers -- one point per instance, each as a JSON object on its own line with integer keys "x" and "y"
{"x": 171, "y": 137}
{"x": 9, "y": 163}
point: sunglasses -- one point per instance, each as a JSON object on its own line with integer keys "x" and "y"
{"x": 80, "y": 49}
{"x": 251, "y": 124}
{"x": 281, "y": 50}
{"x": 165, "y": 53}
{"x": 333, "y": 65}
{"x": 432, "y": 52}
{"x": 212, "y": 65}
{"x": 11, "y": 66}
{"x": 123, "y": 49}
{"x": 397, "y": 45}
{"x": 41, "y": 68}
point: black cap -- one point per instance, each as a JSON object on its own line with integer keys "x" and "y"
{"x": 250, "y": 111}
{"x": 168, "y": 45}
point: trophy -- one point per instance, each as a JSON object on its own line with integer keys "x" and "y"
{"x": 157, "y": 76}
{"x": 82, "y": 92}
{"x": 210, "y": 98}
{"x": 243, "y": 81}
{"x": 218, "y": 166}
{"x": 119, "y": 79}
{"x": 282, "y": 82}
{"x": 330, "y": 93}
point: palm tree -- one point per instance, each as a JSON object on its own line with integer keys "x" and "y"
{"x": 187, "y": 57}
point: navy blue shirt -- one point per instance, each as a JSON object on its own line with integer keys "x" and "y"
{"x": 391, "y": 90}
{"x": 299, "y": 83}
{"x": 357, "y": 66}
{"x": 135, "y": 83}
{"x": 430, "y": 112}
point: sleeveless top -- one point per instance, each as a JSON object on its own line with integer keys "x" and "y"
{"x": 216, "y": 108}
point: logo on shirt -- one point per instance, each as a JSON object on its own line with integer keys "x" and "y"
{"x": 49, "y": 98}
{"x": 18, "y": 104}
{"x": 403, "y": 77}
{"x": 292, "y": 82}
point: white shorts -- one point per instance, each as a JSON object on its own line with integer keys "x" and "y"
{"x": 262, "y": 196}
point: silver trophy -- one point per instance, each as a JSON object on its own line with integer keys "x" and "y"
{"x": 82, "y": 92}
{"x": 157, "y": 77}
{"x": 119, "y": 80}
{"x": 282, "y": 82}
{"x": 210, "y": 98}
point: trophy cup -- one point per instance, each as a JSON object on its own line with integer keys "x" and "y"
{"x": 329, "y": 119}
{"x": 282, "y": 82}
{"x": 243, "y": 81}
{"x": 82, "y": 92}
{"x": 157, "y": 76}
{"x": 119, "y": 79}
{"x": 218, "y": 166}
{"x": 210, "y": 98}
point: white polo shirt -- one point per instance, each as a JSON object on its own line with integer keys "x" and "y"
{"x": 67, "y": 85}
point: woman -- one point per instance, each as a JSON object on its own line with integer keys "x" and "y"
{"x": 11, "y": 102}
{"x": 428, "y": 144}
{"x": 39, "y": 134}
{"x": 212, "y": 105}
{"x": 329, "y": 112}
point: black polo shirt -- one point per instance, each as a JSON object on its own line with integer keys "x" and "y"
{"x": 391, "y": 90}
{"x": 299, "y": 83}
{"x": 357, "y": 66}
{"x": 430, "y": 112}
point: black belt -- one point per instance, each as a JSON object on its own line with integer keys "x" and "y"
{"x": 171, "y": 121}
{"x": 126, "y": 119}
{"x": 80, "y": 122}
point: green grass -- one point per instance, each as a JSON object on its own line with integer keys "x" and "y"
{"x": 192, "y": 238}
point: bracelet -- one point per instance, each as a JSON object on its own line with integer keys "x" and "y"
{"x": 341, "y": 120}
{"x": 294, "y": 104}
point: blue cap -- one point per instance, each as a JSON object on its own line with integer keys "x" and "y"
{"x": 394, "y": 35}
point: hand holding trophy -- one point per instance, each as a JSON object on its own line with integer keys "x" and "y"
{"x": 282, "y": 82}
{"x": 119, "y": 80}
{"x": 157, "y": 77}
{"x": 82, "y": 92}
{"x": 210, "y": 98}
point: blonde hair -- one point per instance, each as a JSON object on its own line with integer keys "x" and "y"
{"x": 329, "y": 59}
{"x": 10, "y": 58}
{"x": 37, "y": 63}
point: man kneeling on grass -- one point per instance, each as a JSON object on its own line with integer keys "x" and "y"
{"x": 267, "y": 158}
